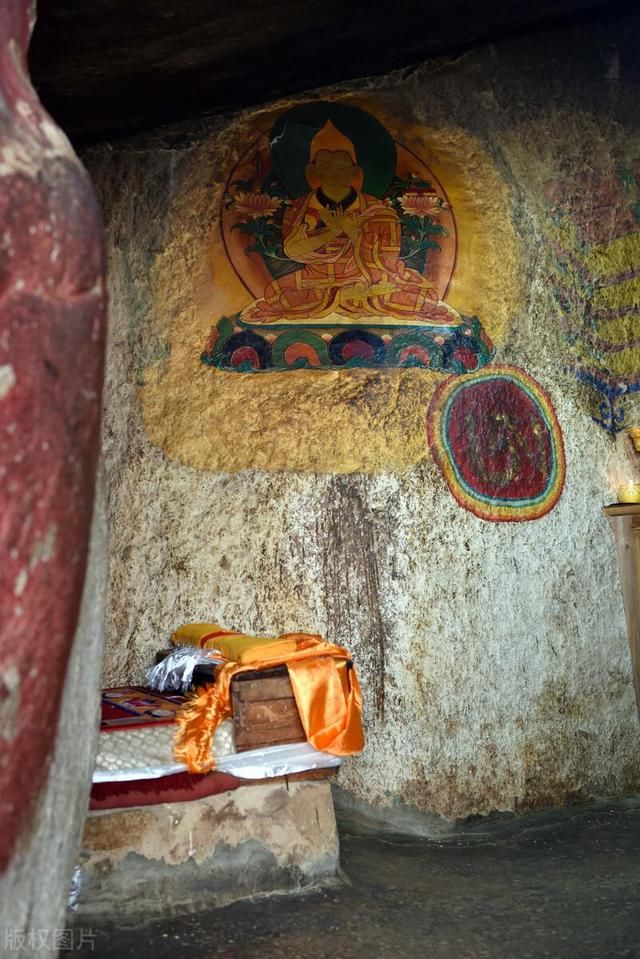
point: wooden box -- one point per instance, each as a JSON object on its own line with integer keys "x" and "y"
{"x": 264, "y": 710}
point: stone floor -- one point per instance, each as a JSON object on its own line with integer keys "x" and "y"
{"x": 560, "y": 883}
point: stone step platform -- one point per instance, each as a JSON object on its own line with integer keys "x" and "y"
{"x": 278, "y": 835}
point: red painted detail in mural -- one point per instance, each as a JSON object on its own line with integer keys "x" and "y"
{"x": 51, "y": 357}
{"x": 501, "y": 443}
{"x": 245, "y": 354}
{"x": 299, "y": 351}
{"x": 467, "y": 357}
{"x": 418, "y": 352}
{"x": 212, "y": 339}
{"x": 357, "y": 348}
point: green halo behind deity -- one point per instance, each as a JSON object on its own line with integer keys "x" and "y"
{"x": 293, "y": 131}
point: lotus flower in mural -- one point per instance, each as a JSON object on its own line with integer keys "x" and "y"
{"x": 254, "y": 205}
{"x": 421, "y": 203}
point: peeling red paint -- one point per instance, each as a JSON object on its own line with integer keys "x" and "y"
{"x": 52, "y": 325}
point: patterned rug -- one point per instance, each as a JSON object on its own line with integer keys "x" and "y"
{"x": 125, "y": 706}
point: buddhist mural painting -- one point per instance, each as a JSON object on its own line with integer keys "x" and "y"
{"x": 594, "y": 224}
{"x": 353, "y": 270}
{"x": 496, "y": 439}
{"x": 346, "y": 244}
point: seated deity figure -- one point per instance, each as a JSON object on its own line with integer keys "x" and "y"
{"x": 349, "y": 245}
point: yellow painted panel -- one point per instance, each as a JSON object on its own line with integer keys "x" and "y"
{"x": 625, "y": 293}
{"x": 618, "y": 256}
{"x": 625, "y": 363}
{"x": 620, "y": 329}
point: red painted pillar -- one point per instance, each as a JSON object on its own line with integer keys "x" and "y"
{"x": 52, "y": 324}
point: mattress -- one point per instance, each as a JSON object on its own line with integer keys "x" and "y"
{"x": 146, "y": 752}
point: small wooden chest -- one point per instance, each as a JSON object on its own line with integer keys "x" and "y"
{"x": 264, "y": 709}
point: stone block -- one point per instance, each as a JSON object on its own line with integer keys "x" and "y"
{"x": 185, "y": 856}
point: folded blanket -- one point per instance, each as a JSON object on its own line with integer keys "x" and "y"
{"x": 228, "y": 642}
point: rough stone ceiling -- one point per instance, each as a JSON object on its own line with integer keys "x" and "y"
{"x": 112, "y": 67}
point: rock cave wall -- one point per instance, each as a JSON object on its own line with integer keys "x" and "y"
{"x": 493, "y": 654}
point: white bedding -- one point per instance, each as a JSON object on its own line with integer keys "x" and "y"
{"x": 147, "y": 753}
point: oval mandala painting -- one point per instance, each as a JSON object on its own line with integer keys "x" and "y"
{"x": 496, "y": 438}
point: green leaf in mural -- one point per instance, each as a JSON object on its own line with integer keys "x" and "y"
{"x": 225, "y": 328}
{"x": 417, "y": 233}
{"x": 258, "y": 227}
{"x": 418, "y": 261}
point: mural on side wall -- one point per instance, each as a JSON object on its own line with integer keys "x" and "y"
{"x": 595, "y": 230}
{"x": 497, "y": 440}
{"x": 346, "y": 244}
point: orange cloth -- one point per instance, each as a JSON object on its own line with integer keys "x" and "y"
{"x": 330, "y": 710}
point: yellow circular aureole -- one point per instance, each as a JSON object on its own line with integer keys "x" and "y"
{"x": 333, "y": 421}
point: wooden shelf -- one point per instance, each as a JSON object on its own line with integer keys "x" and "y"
{"x": 621, "y": 509}
{"x": 625, "y": 520}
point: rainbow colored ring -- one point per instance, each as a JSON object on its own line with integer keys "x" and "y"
{"x": 496, "y": 438}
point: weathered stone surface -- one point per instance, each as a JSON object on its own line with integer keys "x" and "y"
{"x": 187, "y": 855}
{"x": 35, "y": 887}
{"x": 493, "y": 656}
{"x": 116, "y": 67}
{"x": 51, "y": 361}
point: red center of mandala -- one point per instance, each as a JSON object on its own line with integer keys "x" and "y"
{"x": 499, "y": 440}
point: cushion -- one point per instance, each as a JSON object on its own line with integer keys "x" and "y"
{"x": 231, "y": 644}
